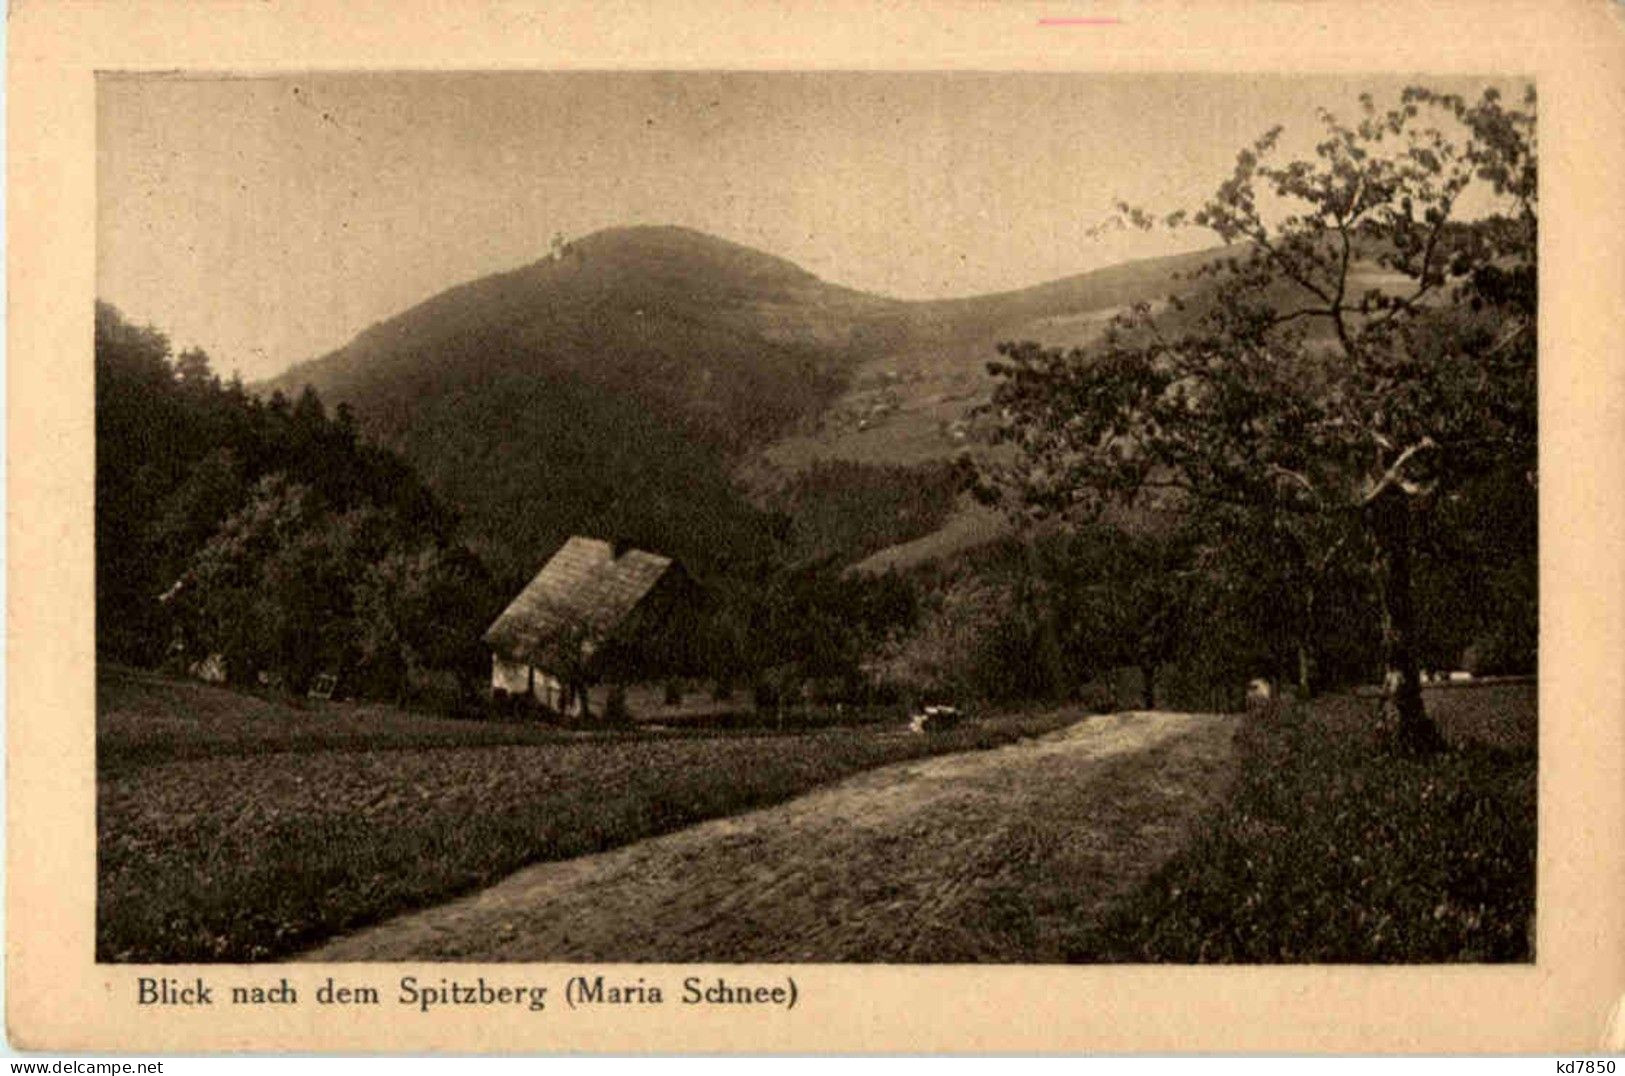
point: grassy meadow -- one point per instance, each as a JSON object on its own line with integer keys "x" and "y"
{"x": 1138, "y": 838}
{"x": 1332, "y": 850}
{"x": 234, "y": 828}
{"x": 238, "y": 828}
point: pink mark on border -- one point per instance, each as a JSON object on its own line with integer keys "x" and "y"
{"x": 1080, "y": 22}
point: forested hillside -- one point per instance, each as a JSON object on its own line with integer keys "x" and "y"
{"x": 673, "y": 388}
{"x": 266, "y": 541}
{"x": 267, "y": 532}
{"x": 607, "y": 388}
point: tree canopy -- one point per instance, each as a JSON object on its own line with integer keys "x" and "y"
{"x": 266, "y": 532}
{"x": 1363, "y": 348}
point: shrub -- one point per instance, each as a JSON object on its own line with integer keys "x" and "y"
{"x": 1097, "y": 698}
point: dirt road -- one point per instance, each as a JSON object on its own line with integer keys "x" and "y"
{"x": 1000, "y": 855}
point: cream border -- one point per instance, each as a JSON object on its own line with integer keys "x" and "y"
{"x": 58, "y": 999}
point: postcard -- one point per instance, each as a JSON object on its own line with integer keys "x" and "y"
{"x": 1036, "y": 527}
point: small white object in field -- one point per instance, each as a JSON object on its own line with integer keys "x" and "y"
{"x": 934, "y": 719}
{"x": 211, "y": 670}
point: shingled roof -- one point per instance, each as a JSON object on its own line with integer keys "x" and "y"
{"x": 586, "y": 583}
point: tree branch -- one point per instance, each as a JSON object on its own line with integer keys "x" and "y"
{"x": 1394, "y": 477}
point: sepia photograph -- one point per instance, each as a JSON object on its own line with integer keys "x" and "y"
{"x": 820, "y": 517}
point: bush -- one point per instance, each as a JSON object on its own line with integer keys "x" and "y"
{"x": 974, "y": 640}
{"x": 1097, "y": 698}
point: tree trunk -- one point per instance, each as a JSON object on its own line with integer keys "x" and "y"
{"x": 1046, "y": 664}
{"x": 1050, "y": 661}
{"x": 573, "y": 701}
{"x": 1148, "y": 685}
{"x": 1305, "y": 634}
{"x": 1402, "y": 681}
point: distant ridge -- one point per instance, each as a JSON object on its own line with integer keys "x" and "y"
{"x": 618, "y": 386}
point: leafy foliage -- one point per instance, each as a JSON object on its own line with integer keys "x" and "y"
{"x": 532, "y": 459}
{"x": 264, "y": 531}
{"x": 1328, "y": 412}
{"x": 971, "y": 643}
{"x": 840, "y": 511}
{"x": 1154, "y": 613}
{"x": 786, "y": 626}
{"x": 281, "y": 539}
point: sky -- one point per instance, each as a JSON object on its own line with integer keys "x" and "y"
{"x": 269, "y": 220}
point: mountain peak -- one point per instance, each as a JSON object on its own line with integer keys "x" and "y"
{"x": 614, "y": 385}
{"x": 653, "y": 247}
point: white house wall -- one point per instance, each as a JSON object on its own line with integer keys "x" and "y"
{"x": 510, "y": 676}
{"x": 515, "y": 678}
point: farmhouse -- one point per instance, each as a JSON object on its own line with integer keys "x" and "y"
{"x": 596, "y": 611}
